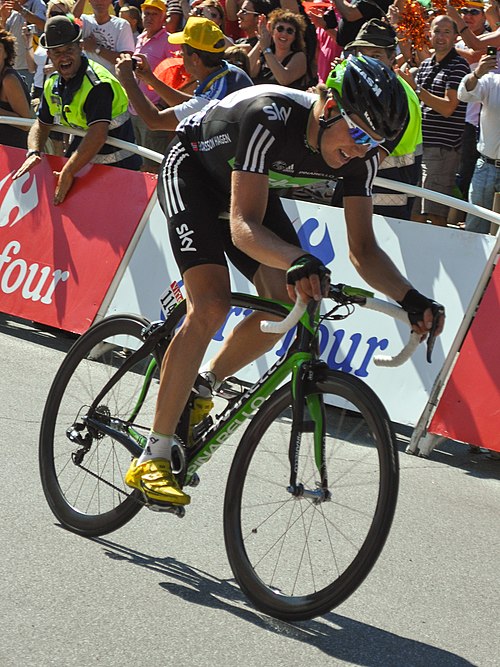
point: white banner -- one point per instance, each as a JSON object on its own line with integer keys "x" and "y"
{"x": 442, "y": 263}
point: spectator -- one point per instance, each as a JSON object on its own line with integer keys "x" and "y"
{"x": 443, "y": 116}
{"x": 104, "y": 36}
{"x": 15, "y": 16}
{"x": 238, "y": 56}
{"x": 248, "y": 21}
{"x": 133, "y": 15}
{"x": 14, "y": 98}
{"x": 326, "y": 24}
{"x": 175, "y": 15}
{"x": 38, "y": 60}
{"x": 279, "y": 55}
{"x": 473, "y": 41}
{"x": 213, "y": 11}
{"x": 154, "y": 45}
{"x": 475, "y": 19}
{"x": 79, "y": 94}
{"x": 118, "y": 4}
{"x": 203, "y": 47}
{"x": 297, "y": 7}
{"x": 483, "y": 85}
{"x": 355, "y": 14}
{"x": 42, "y": 67}
{"x": 400, "y": 159}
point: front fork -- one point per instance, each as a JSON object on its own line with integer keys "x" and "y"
{"x": 308, "y": 416}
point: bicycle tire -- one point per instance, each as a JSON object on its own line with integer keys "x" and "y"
{"x": 81, "y": 502}
{"x": 294, "y": 559}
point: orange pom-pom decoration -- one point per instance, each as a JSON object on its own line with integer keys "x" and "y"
{"x": 413, "y": 25}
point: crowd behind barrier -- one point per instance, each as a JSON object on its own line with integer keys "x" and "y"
{"x": 443, "y": 52}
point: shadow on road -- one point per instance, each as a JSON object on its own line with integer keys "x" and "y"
{"x": 449, "y": 452}
{"x": 337, "y": 636}
{"x": 36, "y": 333}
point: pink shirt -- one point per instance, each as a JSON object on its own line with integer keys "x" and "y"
{"x": 156, "y": 49}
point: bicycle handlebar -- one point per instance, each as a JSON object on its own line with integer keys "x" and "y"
{"x": 371, "y": 303}
{"x": 397, "y": 313}
{"x": 293, "y": 317}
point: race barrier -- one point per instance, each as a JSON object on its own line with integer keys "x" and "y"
{"x": 104, "y": 253}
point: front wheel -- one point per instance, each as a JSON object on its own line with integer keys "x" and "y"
{"x": 82, "y": 468}
{"x": 297, "y": 557}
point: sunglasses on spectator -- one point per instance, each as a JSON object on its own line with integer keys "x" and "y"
{"x": 359, "y": 135}
{"x": 213, "y": 15}
{"x": 473, "y": 11}
{"x": 247, "y": 11}
{"x": 282, "y": 28}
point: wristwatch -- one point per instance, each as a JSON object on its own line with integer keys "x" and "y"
{"x": 32, "y": 151}
{"x": 97, "y": 50}
{"x": 268, "y": 49}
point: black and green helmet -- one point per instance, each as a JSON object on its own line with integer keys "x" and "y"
{"x": 369, "y": 89}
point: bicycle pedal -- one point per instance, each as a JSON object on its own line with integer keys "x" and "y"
{"x": 169, "y": 508}
{"x": 194, "y": 481}
{"x": 232, "y": 388}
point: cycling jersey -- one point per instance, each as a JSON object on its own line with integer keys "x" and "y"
{"x": 263, "y": 130}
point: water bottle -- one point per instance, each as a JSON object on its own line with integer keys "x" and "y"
{"x": 202, "y": 404}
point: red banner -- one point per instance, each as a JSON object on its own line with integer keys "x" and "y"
{"x": 469, "y": 409}
{"x": 57, "y": 262}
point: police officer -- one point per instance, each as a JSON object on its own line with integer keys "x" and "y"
{"x": 80, "y": 94}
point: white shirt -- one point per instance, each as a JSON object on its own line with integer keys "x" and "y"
{"x": 115, "y": 34}
{"x": 487, "y": 91}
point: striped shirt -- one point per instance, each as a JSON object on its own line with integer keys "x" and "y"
{"x": 438, "y": 77}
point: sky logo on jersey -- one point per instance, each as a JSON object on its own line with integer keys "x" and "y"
{"x": 274, "y": 112}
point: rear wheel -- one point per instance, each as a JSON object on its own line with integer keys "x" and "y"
{"x": 298, "y": 557}
{"x": 82, "y": 469}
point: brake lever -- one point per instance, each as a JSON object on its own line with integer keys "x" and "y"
{"x": 437, "y": 312}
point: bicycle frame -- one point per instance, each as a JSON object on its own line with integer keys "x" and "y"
{"x": 300, "y": 361}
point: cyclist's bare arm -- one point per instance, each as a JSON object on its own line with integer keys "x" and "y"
{"x": 249, "y": 194}
{"x": 373, "y": 264}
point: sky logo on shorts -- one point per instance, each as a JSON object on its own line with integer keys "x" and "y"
{"x": 184, "y": 234}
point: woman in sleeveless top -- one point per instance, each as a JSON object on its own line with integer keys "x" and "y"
{"x": 279, "y": 55}
{"x": 14, "y": 100}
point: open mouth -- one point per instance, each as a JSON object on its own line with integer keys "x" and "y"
{"x": 65, "y": 66}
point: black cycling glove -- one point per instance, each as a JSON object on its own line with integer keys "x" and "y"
{"x": 304, "y": 267}
{"x": 415, "y": 304}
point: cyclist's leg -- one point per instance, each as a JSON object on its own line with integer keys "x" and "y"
{"x": 192, "y": 206}
{"x": 208, "y": 300}
{"x": 246, "y": 342}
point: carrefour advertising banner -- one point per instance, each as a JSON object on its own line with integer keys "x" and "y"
{"x": 443, "y": 263}
{"x": 57, "y": 262}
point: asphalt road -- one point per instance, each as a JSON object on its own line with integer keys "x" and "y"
{"x": 159, "y": 591}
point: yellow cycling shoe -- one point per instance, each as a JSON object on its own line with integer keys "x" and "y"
{"x": 156, "y": 480}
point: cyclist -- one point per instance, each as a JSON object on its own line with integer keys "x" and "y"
{"x": 236, "y": 151}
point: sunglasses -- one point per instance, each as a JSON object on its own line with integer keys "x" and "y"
{"x": 472, "y": 12}
{"x": 212, "y": 15}
{"x": 282, "y": 28}
{"x": 358, "y": 134}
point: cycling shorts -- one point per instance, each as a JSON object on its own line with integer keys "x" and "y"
{"x": 193, "y": 203}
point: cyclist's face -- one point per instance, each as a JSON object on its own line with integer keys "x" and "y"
{"x": 338, "y": 146}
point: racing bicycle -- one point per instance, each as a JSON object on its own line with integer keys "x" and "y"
{"x": 313, "y": 484}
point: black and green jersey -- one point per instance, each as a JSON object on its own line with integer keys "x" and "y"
{"x": 262, "y": 130}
